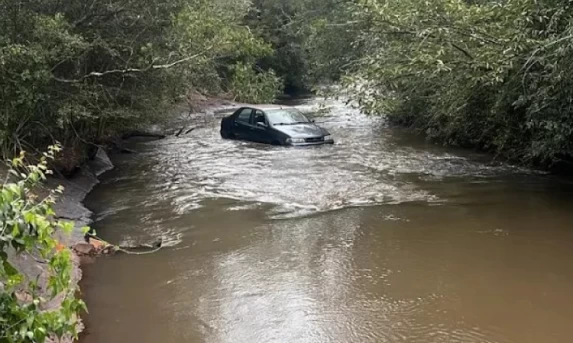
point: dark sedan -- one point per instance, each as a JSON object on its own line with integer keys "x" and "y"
{"x": 279, "y": 125}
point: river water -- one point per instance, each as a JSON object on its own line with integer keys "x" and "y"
{"x": 381, "y": 237}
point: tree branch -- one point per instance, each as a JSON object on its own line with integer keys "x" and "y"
{"x": 462, "y": 50}
{"x": 132, "y": 70}
{"x": 348, "y": 23}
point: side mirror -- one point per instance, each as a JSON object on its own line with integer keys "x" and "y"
{"x": 261, "y": 124}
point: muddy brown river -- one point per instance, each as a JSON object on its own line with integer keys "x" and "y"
{"x": 381, "y": 237}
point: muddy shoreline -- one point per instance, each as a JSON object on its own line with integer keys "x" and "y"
{"x": 70, "y": 206}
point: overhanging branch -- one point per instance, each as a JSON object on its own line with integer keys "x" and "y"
{"x": 97, "y": 74}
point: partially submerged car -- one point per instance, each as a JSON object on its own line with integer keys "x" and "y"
{"x": 274, "y": 124}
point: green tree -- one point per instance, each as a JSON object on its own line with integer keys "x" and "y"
{"x": 487, "y": 74}
{"x": 276, "y": 22}
{"x": 78, "y": 72}
{"x": 313, "y": 41}
{"x": 251, "y": 86}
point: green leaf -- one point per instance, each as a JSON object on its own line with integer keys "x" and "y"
{"x": 9, "y": 269}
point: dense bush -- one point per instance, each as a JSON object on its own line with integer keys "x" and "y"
{"x": 313, "y": 41}
{"x": 77, "y": 71}
{"x": 263, "y": 87}
{"x": 487, "y": 74}
{"x": 276, "y": 21}
{"x": 27, "y": 227}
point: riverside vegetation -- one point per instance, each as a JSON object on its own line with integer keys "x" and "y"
{"x": 28, "y": 227}
{"x": 492, "y": 75}
{"x": 78, "y": 72}
{"x": 484, "y": 74}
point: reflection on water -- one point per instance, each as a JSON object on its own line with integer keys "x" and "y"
{"x": 379, "y": 238}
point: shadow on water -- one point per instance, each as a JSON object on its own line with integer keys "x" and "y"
{"x": 381, "y": 237}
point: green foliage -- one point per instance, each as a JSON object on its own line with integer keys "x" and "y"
{"x": 487, "y": 74}
{"x": 212, "y": 27}
{"x": 254, "y": 87}
{"x": 28, "y": 227}
{"x": 313, "y": 41}
{"x": 332, "y": 39}
{"x": 276, "y": 22}
{"x": 78, "y": 71}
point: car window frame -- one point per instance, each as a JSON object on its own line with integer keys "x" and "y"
{"x": 254, "y": 116}
{"x": 240, "y": 111}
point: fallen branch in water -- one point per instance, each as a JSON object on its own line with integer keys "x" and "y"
{"x": 119, "y": 249}
{"x": 96, "y": 246}
{"x": 180, "y": 132}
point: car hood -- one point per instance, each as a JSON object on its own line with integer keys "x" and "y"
{"x": 302, "y": 130}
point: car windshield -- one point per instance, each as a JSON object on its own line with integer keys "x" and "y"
{"x": 286, "y": 116}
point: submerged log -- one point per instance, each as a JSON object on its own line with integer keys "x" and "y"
{"x": 95, "y": 247}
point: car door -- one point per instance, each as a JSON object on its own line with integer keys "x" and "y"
{"x": 242, "y": 125}
{"x": 261, "y": 132}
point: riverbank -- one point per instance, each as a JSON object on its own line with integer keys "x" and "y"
{"x": 69, "y": 206}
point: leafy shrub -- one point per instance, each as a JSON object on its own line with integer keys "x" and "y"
{"x": 76, "y": 73}
{"x": 251, "y": 86}
{"x": 28, "y": 227}
{"x": 487, "y": 74}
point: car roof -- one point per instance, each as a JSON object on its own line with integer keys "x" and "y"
{"x": 266, "y": 107}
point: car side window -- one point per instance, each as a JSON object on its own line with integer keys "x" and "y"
{"x": 245, "y": 116}
{"x": 260, "y": 117}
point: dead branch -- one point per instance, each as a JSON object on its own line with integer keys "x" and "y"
{"x": 132, "y": 70}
